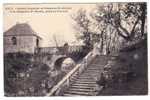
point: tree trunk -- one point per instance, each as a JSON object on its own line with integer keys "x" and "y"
{"x": 143, "y": 7}
{"x": 123, "y": 36}
{"x": 102, "y": 42}
{"x": 133, "y": 29}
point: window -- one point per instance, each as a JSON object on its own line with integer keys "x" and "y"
{"x": 37, "y": 42}
{"x": 14, "y": 40}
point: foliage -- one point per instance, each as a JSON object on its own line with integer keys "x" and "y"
{"x": 24, "y": 77}
{"x": 83, "y": 27}
{"x": 112, "y": 24}
{"x": 124, "y": 17}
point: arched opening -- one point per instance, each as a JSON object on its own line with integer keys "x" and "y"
{"x": 67, "y": 65}
{"x": 14, "y": 40}
{"x": 58, "y": 63}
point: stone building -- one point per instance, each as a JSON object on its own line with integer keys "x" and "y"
{"x": 21, "y": 38}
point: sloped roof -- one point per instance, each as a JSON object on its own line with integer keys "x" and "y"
{"x": 21, "y": 29}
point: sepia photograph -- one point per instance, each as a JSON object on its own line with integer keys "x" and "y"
{"x": 75, "y": 49}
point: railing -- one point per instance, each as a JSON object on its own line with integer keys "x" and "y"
{"x": 68, "y": 79}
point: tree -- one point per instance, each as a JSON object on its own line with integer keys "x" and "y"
{"x": 113, "y": 23}
{"x": 120, "y": 14}
{"x": 125, "y": 19}
{"x": 107, "y": 32}
{"x": 82, "y": 25}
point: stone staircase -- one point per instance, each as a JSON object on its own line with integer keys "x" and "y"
{"x": 85, "y": 84}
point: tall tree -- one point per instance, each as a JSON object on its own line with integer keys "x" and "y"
{"x": 114, "y": 23}
{"x": 120, "y": 14}
{"x": 82, "y": 25}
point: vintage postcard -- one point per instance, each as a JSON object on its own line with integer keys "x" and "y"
{"x": 80, "y": 49}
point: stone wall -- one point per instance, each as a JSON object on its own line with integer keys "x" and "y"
{"x": 24, "y": 44}
{"x": 52, "y": 50}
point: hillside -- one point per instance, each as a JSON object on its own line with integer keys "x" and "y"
{"x": 134, "y": 60}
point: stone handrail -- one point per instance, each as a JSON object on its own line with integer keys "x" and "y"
{"x": 68, "y": 79}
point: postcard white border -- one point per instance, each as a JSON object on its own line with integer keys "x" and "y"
{"x": 67, "y": 98}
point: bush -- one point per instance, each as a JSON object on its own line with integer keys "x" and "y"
{"x": 24, "y": 77}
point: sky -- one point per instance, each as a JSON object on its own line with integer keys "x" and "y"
{"x": 46, "y": 24}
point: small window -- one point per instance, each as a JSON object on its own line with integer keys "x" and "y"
{"x": 14, "y": 40}
{"x": 37, "y": 42}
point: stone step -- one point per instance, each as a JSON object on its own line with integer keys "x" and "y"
{"x": 88, "y": 85}
{"x": 66, "y": 94}
{"x": 93, "y": 69}
{"x": 79, "y": 93}
{"x": 73, "y": 95}
{"x": 82, "y": 90}
{"x": 96, "y": 65}
{"x": 99, "y": 60}
{"x": 82, "y": 87}
{"x": 85, "y": 82}
{"x": 85, "y": 77}
{"x": 86, "y": 88}
{"x": 90, "y": 74}
{"x": 69, "y": 95}
{"x": 89, "y": 71}
{"x": 92, "y": 77}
